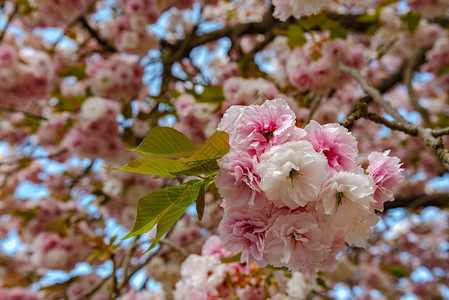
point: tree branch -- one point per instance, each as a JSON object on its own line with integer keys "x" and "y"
{"x": 96, "y": 35}
{"x": 400, "y": 124}
{"x": 374, "y": 93}
{"x": 13, "y": 110}
{"x": 439, "y": 200}
{"x": 8, "y": 22}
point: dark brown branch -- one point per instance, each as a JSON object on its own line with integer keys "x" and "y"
{"x": 172, "y": 53}
{"x": 8, "y": 22}
{"x": 96, "y": 35}
{"x": 374, "y": 93}
{"x": 13, "y": 110}
{"x": 401, "y": 124}
{"x": 440, "y": 200}
{"x": 26, "y": 159}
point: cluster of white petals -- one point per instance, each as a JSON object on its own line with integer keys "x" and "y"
{"x": 296, "y": 197}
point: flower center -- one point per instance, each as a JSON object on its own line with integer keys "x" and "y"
{"x": 340, "y": 199}
{"x": 293, "y": 174}
{"x": 268, "y": 135}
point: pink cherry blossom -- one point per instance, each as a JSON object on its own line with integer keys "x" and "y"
{"x": 347, "y": 194}
{"x": 336, "y": 143}
{"x": 238, "y": 180}
{"x": 386, "y": 172}
{"x": 299, "y": 241}
{"x": 244, "y": 230}
{"x": 256, "y": 128}
{"x": 292, "y": 174}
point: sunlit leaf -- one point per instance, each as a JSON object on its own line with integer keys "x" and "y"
{"x": 411, "y": 20}
{"x": 164, "y": 207}
{"x": 216, "y": 146}
{"x": 166, "y": 141}
{"x": 232, "y": 259}
{"x": 76, "y": 71}
{"x": 158, "y": 166}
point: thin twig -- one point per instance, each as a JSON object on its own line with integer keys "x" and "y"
{"x": 96, "y": 35}
{"x": 13, "y": 110}
{"x": 22, "y": 160}
{"x": 316, "y": 100}
{"x": 8, "y": 22}
{"x": 373, "y": 92}
{"x": 126, "y": 262}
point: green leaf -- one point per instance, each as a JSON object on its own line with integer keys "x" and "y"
{"x": 25, "y": 214}
{"x": 208, "y": 167}
{"x": 166, "y": 141}
{"x": 216, "y": 146}
{"x": 338, "y": 31}
{"x": 155, "y": 166}
{"x": 320, "y": 281}
{"x": 443, "y": 70}
{"x": 76, "y": 71}
{"x": 271, "y": 267}
{"x": 313, "y": 21}
{"x": 162, "y": 99}
{"x": 210, "y": 94}
{"x": 232, "y": 259}
{"x": 24, "y": 7}
{"x": 174, "y": 93}
{"x": 164, "y": 207}
{"x": 72, "y": 104}
{"x": 411, "y": 20}
{"x": 295, "y": 35}
{"x": 367, "y": 18}
{"x": 200, "y": 203}
{"x": 398, "y": 271}
{"x": 127, "y": 110}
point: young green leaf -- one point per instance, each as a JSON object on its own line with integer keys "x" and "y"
{"x": 232, "y": 259}
{"x": 202, "y": 168}
{"x": 155, "y": 166}
{"x": 216, "y": 146}
{"x": 412, "y": 21}
{"x": 166, "y": 141}
{"x": 76, "y": 71}
{"x": 295, "y": 35}
{"x": 164, "y": 207}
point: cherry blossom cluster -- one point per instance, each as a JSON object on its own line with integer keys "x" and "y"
{"x": 24, "y": 76}
{"x": 18, "y": 293}
{"x": 298, "y": 8}
{"x": 81, "y": 285}
{"x": 413, "y": 243}
{"x": 408, "y": 42}
{"x": 129, "y": 31}
{"x": 294, "y": 197}
{"x": 51, "y": 251}
{"x": 123, "y": 190}
{"x": 206, "y": 277}
{"x": 199, "y": 120}
{"x": 96, "y": 132}
{"x": 314, "y": 68}
{"x": 438, "y": 61}
{"x": 429, "y": 9}
{"x": 55, "y": 13}
{"x": 117, "y": 78}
